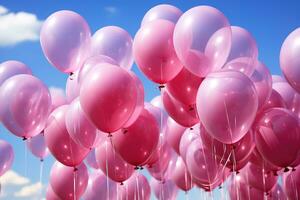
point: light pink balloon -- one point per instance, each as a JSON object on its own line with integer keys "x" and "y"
{"x": 164, "y": 189}
{"x": 154, "y": 51}
{"x": 67, "y": 183}
{"x": 114, "y": 42}
{"x": 187, "y": 138}
{"x": 37, "y": 146}
{"x": 162, "y": 11}
{"x": 108, "y": 97}
{"x": 159, "y": 114}
{"x": 65, "y": 39}
{"x": 58, "y": 97}
{"x": 289, "y": 59}
{"x": 202, "y": 39}
{"x": 180, "y": 174}
{"x": 227, "y": 104}
{"x": 59, "y": 142}
{"x": 6, "y": 156}
{"x": 174, "y": 131}
{"x": 50, "y": 194}
{"x": 72, "y": 86}
{"x": 25, "y": 105}
{"x": 91, "y": 159}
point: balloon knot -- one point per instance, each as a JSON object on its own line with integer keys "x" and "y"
{"x": 42, "y": 160}
{"x": 160, "y": 87}
{"x": 286, "y": 169}
{"x": 109, "y": 135}
{"x": 121, "y": 183}
{"x": 293, "y": 169}
{"x": 141, "y": 168}
{"x": 24, "y": 138}
{"x": 71, "y": 75}
{"x": 267, "y": 193}
{"x": 136, "y": 168}
{"x": 191, "y": 108}
{"x": 125, "y": 131}
{"x": 191, "y": 128}
{"x": 220, "y": 187}
{"x": 237, "y": 172}
{"x": 75, "y": 169}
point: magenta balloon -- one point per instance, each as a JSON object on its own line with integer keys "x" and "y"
{"x": 59, "y": 142}
{"x": 58, "y": 97}
{"x": 37, "y": 146}
{"x": 154, "y": 51}
{"x": 67, "y": 183}
{"x": 6, "y": 156}
{"x": 111, "y": 163}
{"x": 202, "y": 39}
{"x": 277, "y": 137}
{"x": 25, "y": 105}
{"x": 257, "y": 159}
{"x": 12, "y": 67}
{"x": 91, "y": 159}
{"x": 180, "y": 175}
{"x": 291, "y": 185}
{"x": 114, "y": 42}
{"x": 174, "y": 132}
{"x": 289, "y": 59}
{"x": 65, "y": 39}
{"x": 100, "y": 188}
{"x": 108, "y": 97}
{"x": 72, "y": 87}
{"x": 136, "y": 187}
{"x": 184, "y": 87}
{"x": 80, "y": 129}
{"x": 127, "y": 142}
{"x": 159, "y": 114}
{"x": 139, "y": 101}
{"x": 187, "y": 138}
{"x": 162, "y": 11}
{"x": 227, "y": 104}
{"x": 51, "y": 195}
{"x": 185, "y": 115}
{"x": 275, "y": 101}
{"x": 164, "y": 190}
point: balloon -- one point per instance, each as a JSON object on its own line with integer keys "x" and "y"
{"x": 37, "y": 146}
{"x": 277, "y": 137}
{"x": 291, "y": 185}
{"x": 159, "y": 114}
{"x": 180, "y": 175}
{"x": 100, "y": 187}
{"x": 65, "y": 39}
{"x": 50, "y": 194}
{"x": 72, "y": 87}
{"x": 187, "y": 138}
{"x": 25, "y": 105}
{"x": 275, "y": 101}
{"x": 162, "y": 11}
{"x": 164, "y": 190}
{"x": 184, "y": 87}
{"x": 174, "y": 132}
{"x": 127, "y": 142}
{"x": 136, "y": 187}
{"x": 183, "y": 114}
{"x": 289, "y": 59}
{"x": 154, "y": 52}
{"x": 6, "y": 156}
{"x": 114, "y": 42}
{"x": 108, "y": 97}
{"x": 202, "y": 39}
{"x": 227, "y": 104}
{"x": 80, "y": 129}
{"x": 91, "y": 159}
{"x": 12, "y": 67}
{"x": 59, "y": 142}
{"x": 111, "y": 163}
{"x": 58, "y": 97}
{"x": 67, "y": 183}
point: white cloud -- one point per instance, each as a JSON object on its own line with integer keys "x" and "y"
{"x": 18, "y": 27}
{"x": 13, "y": 178}
{"x": 110, "y": 9}
{"x": 32, "y": 190}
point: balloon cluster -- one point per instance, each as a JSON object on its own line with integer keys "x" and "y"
{"x": 220, "y": 114}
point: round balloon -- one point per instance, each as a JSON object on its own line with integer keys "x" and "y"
{"x": 6, "y": 156}
{"x": 58, "y": 97}
{"x": 37, "y": 146}
{"x": 164, "y": 190}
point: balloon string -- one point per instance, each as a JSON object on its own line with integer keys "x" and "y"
{"x": 107, "y": 180}
{"x": 26, "y": 159}
{"x": 137, "y": 187}
{"x": 263, "y": 177}
{"x": 74, "y": 183}
{"x": 41, "y": 177}
{"x": 294, "y": 185}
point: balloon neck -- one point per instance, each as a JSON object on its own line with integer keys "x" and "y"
{"x": 71, "y": 75}
{"x": 267, "y": 193}
{"x": 141, "y": 168}
{"x": 75, "y": 169}
{"x": 286, "y": 169}
{"x": 220, "y": 187}
{"x": 136, "y": 168}
{"x": 125, "y": 131}
{"x": 191, "y": 128}
{"x": 109, "y": 135}
{"x": 121, "y": 183}
{"x": 191, "y": 108}
{"x": 42, "y": 160}
{"x": 293, "y": 169}
{"x": 24, "y": 138}
{"x": 160, "y": 87}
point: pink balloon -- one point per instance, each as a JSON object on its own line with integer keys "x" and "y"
{"x": 278, "y": 137}
{"x": 59, "y": 142}
{"x": 72, "y": 86}
{"x": 114, "y": 42}
{"x": 136, "y": 187}
{"x": 227, "y": 104}
{"x": 187, "y": 138}
{"x": 164, "y": 190}
{"x": 289, "y": 59}
{"x": 50, "y": 194}
{"x": 154, "y": 51}
{"x": 127, "y": 142}
{"x": 174, "y": 132}
{"x": 185, "y": 115}
{"x": 202, "y": 39}
{"x": 91, "y": 159}
{"x": 108, "y": 97}
{"x": 6, "y": 156}
{"x": 157, "y": 102}
{"x": 58, "y": 97}
{"x": 12, "y": 67}
{"x": 65, "y": 40}
{"x": 67, "y": 183}
{"x": 180, "y": 175}
{"x": 275, "y": 101}
{"x": 80, "y": 129}
{"x": 25, "y": 105}
{"x": 37, "y": 146}
{"x": 162, "y": 11}
{"x": 111, "y": 163}
{"x": 291, "y": 185}
{"x": 184, "y": 87}
{"x": 159, "y": 114}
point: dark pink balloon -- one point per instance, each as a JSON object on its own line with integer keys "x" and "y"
{"x": 185, "y": 115}
{"x": 154, "y": 51}
{"x": 91, "y": 159}
{"x": 59, "y": 142}
{"x": 111, "y": 163}
{"x": 25, "y": 105}
{"x": 164, "y": 189}
{"x": 58, "y": 97}
{"x": 108, "y": 97}
{"x": 51, "y": 195}
{"x": 180, "y": 174}
{"x": 65, "y": 39}
{"x": 174, "y": 131}
{"x": 291, "y": 185}
{"x": 227, "y": 104}
{"x": 277, "y": 137}
{"x": 6, "y": 156}
{"x": 184, "y": 87}
{"x": 37, "y": 146}
{"x": 187, "y": 138}
{"x": 275, "y": 101}
{"x": 67, "y": 183}
{"x": 257, "y": 159}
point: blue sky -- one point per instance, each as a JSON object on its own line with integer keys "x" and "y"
{"x": 269, "y": 22}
